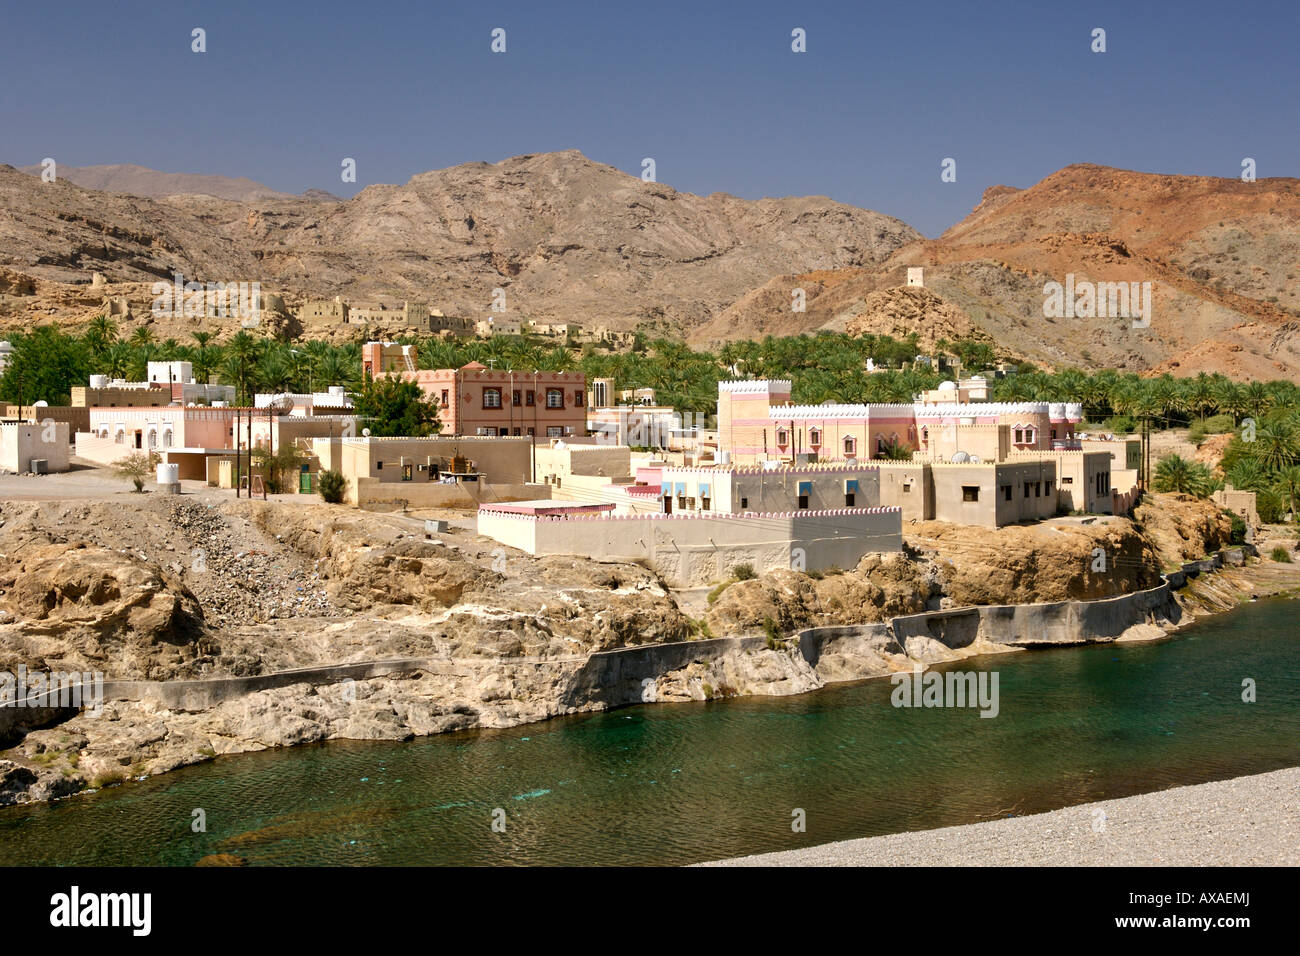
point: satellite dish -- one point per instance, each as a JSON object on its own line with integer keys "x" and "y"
{"x": 280, "y": 405}
{"x": 974, "y": 459}
{"x": 961, "y": 458}
{"x": 365, "y": 432}
{"x": 851, "y": 462}
{"x": 41, "y": 404}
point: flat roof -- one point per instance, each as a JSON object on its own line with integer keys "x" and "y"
{"x": 546, "y": 506}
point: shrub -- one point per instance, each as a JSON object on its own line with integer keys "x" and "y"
{"x": 1238, "y": 534}
{"x": 744, "y": 572}
{"x": 1120, "y": 425}
{"x": 136, "y": 466}
{"x": 1270, "y": 506}
{"x": 278, "y": 468}
{"x": 1281, "y": 554}
{"x": 331, "y": 485}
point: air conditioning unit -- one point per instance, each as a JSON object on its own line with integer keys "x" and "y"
{"x": 40, "y": 466}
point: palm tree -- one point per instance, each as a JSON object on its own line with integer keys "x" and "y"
{"x": 116, "y": 359}
{"x": 1257, "y": 397}
{"x": 238, "y": 364}
{"x": 1175, "y": 473}
{"x": 142, "y": 336}
{"x": 1231, "y": 399}
{"x": 1277, "y": 445}
{"x": 274, "y": 372}
{"x": 1288, "y": 486}
{"x": 1247, "y": 474}
{"x": 101, "y": 332}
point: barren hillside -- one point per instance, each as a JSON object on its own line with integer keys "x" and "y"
{"x": 565, "y": 237}
{"x": 1222, "y": 256}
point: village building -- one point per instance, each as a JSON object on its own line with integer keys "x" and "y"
{"x": 477, "y": 400}
{"x": 437, "y": 471}
{"x": 690, "y": 550}
{"x": 324, "y": 312}
{"x": 334, "y": 401}
{"x": 197, "y": 437}
{"x": 33, "y": 447}
{"x": 769, "y": 487}
{"x": 499, "y": 325}
{"x": 630, "y": 416}
{"x": 952, "y": 455}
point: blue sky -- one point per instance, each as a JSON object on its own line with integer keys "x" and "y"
{"x": 711, "y": 91}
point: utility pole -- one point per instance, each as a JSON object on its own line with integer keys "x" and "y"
{"x": 237, "y": 459}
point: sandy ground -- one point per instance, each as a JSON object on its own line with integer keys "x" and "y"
{"x": 1246, "y": 821}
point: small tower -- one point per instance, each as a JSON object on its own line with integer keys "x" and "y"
{"x": 916, "y": 276}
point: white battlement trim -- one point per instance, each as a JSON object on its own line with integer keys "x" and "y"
{"x": 813, "y": 468}
{"x": 362, "y": 439}
{"x": 755, "y": 385}
{"x": 778, "y": 412}
{"x": 689, "y": 516}
{"x": 976, "y": 409}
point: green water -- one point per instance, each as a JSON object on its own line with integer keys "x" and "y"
{"x": 679, "y": 783}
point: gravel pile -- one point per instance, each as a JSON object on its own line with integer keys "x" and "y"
{"x": 237, "y": 583}
{"x": 1246, "y": 821}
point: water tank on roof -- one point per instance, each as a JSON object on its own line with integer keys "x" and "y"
{"x": 99, "y": 381}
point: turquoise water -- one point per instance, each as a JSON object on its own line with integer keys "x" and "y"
{"x": 679, "y": 783}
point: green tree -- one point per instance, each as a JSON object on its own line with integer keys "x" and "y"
{"x": 44, "y": 366}
{"x": 1175, "y": 473}
{"x": 391, "y": 406}
{"x": 280, "y": 467}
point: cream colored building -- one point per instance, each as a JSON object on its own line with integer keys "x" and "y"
{"x": 690, "y": 550}
{"x": 743, "y": 488}
{"x": 46, "y": 443}
{"x": 500, "y": 467}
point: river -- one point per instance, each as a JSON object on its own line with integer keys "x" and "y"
{"x": 680, "y": 783}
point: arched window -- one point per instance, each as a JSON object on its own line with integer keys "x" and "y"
{"x": 850, "y": 446}
{"x": 153, "y": 439}
{"x": 167, "y": 438}
{"x": 782, "y": 436}
{"x": 814, "y": 436}
{"x": 925, "y": 435}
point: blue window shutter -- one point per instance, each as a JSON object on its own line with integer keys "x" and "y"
{"x": 805, "y": 487}
{"x": 851, "y": 485}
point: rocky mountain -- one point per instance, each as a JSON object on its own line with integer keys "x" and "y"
{"x": 564, "y": 237}
{"x": 152, "y": 184}
{"x": 1221, "y": 256}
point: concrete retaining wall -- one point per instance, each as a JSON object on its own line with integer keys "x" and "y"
{"x": 617, "y": 676}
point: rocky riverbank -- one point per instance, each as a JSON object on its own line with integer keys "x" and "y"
{"x": 225, "y": 594}
{"x": 1246, "y": 821}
